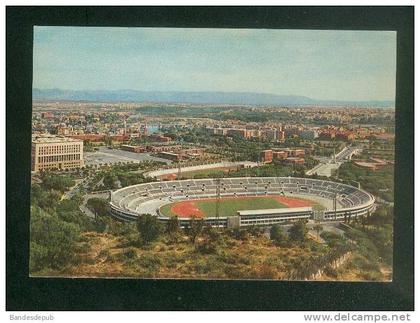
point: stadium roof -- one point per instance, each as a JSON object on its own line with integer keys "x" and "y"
{"x": 274, "y": 211}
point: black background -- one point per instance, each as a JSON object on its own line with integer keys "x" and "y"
{"x": 24, "y": 293}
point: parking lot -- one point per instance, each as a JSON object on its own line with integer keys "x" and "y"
{"x": 112, "y": 156}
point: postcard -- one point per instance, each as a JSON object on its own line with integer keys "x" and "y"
{"x": 194, "y": 153}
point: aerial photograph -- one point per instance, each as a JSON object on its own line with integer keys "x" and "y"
{"x": 217, "y": 154}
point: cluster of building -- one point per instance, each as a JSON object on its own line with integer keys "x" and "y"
{"x": 337, "y": 115}
{"x": 288, "y": 156}
{"x": 351, "y": 134}
{"x": 94, "y": 126}
{"x": 171, "y": 152}
{"x": 52, "y": 152}
{"x": 182, "y": 154}
{"x": 305, "y": 132}
{"x": 373, "y": 163}
{"x": 116, "y": 126}
{"x": 75, "y": 123}
{"x": 271, "y": 134}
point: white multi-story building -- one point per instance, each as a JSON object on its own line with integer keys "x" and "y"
{"x": 56, "y": 152}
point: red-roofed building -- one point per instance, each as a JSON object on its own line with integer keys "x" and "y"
{"x": 266, "y": 156}
{"x": 160, "y": 138}
{"x": 294, "y": 161}
{"x": 88, "y": 137}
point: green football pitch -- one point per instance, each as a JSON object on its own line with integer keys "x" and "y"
{"x": 227, "y": 207}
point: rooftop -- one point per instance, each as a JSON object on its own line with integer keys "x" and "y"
{"x": 274, "y": 211}
{"x": 47, "y": 139}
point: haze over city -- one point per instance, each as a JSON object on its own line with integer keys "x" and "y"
{"x": 323, "y": 65}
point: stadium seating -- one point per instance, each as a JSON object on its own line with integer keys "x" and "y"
{"x": 127, "y": 202}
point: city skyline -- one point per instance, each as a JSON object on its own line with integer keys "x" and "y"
{"x": 325, "y": 65}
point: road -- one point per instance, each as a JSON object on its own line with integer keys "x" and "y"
{"x": 75, "y": 189}
{"x": 327, "y": 165}
{"x": 382, "y": 201}
{"x": 162, "y": 172}
{"x": 347, "y": 153}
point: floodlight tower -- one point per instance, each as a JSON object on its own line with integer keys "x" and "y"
{"x": 179, "y": 171}
{"x": 217, "y": 200}
{"x": 335, "y": 206}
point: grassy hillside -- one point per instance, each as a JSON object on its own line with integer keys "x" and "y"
{"x": 248, "y": 255}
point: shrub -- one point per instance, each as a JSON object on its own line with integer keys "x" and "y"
{"x": 104, "y": 254}
{"x": 298, "y": 231}
{"x": 194, "y": 229}
{"x": 232, "y": 271}
{"x": 239, "y": 234}
{"x": 206, "y": 247}
{"x": 364, "y": 264}
{"x": 330, "y": 236}
{"x": 202, "y": 267}
{"x": 150, "y": 262}
{"x": 173, "y": 230}
{"x": 371, "y": 275}
{"x": 277, "y": 234}
{"x": 318, "y": 228}
{"x": 130, "y": 253}
{"x": 265, "y": 272}
{"x": 82, "y": 248}
{"x": 255, "y": 231}
{"x": 115, "y": 257}
{"x": 149, "y": 228}
{"x": 330, "y": 271}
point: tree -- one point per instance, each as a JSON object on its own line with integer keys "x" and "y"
{"x": 109, "y": 181}
{"x": 98, "y": 206}
{"x": 382, "y": 215}
{"x": 277, "y": 234}
{"x": 211, "y": 233}
{"x": 195, "y": 228}
{"x": 239, "y": 234}
{"x": 172, "y": 225}
{"x": 56, "y": 182}
{"x": 255, "y": 231}
{"x": 149, "y": 228}
{"x": 211, "y": 241}
{"x": 52, "y": 241}
{"x": 46, "y": 200}
{"x": 318, "y": 228}
{"x": 172, "y": 228}
{"x": 298, "y": 231}
{"x": 68, "y": 211}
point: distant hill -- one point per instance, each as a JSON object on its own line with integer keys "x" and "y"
{"x": 241, "y": 98}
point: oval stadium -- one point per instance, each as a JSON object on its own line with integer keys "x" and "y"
{"x": 234, "y": 202}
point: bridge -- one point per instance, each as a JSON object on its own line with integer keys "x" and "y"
{"x": 327, "y": 167}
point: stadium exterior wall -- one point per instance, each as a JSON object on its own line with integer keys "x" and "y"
{"x": 120, "y": 211}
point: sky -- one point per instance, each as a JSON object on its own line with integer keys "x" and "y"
{"x": 326, "y": 65}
